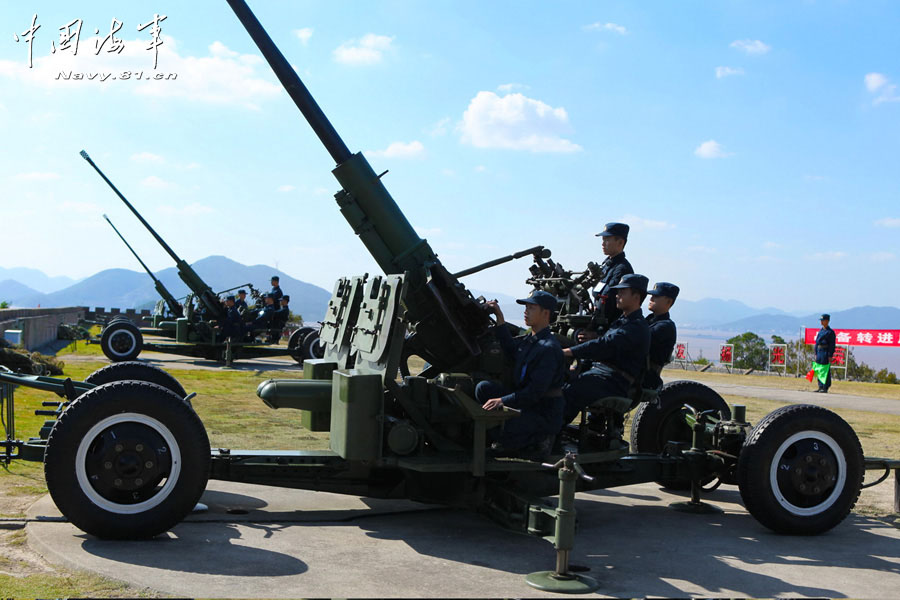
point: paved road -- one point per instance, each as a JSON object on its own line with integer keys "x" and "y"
{"x": 267, "y": 542}
{"x": 829, "y": 400}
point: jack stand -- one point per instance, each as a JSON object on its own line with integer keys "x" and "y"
{"x": 562, "y": 580}
{"x": 229, "y": 357}
{"x": 695, "y": 506}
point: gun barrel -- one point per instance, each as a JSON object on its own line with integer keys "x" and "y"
{"x": 292, "y": 83}
{"x": 127, "y": 245}
{"x": 536, "y": 251}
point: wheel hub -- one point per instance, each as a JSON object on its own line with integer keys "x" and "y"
{"x": 127, "y": 461}
{"x": 121, "y": 342}
{"x": 807, "y": 472}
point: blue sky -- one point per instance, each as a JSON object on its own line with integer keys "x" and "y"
{"x": 752, "y": 146}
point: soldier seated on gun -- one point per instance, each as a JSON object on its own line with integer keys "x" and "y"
{"x": 233, "y": 327}
{"x": 662, "y": 331}
{"x": 265, "y": 315}
{"x": 241, "y": 302}
{"x": 614, "y": 237}
{"x": 619, "y": 356}
{"x": 537, "y": 382}
{"x": 279, "y": 319}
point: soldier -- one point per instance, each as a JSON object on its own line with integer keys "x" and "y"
{"x": 825, "y": 341}
{"x": 662, "y": 331}
{"x": 265, "y": 314}
{"x": 241, "y": 302}
{"x": 233, "y": 326}
{"x": 276, "y": 292}
{"x": 281, "y": 314}
{"x": 538, "y": 379}
{"x": 616, "y": 266}
{"x": 619, "y": 355}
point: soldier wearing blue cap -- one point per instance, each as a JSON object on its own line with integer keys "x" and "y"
{"x": 619, "y": 356}
{"x": 280, "y": 318}
{"x": 537, "y": 382}
{"x": 276, "y": 292}
{"x": 241, "y": 302}
{"x": 663, "y": 333}
{"x": 825, "y": 343}
{"x": 264, "y": 317}
{"x": 614, "y": 237}
{"x": 233, "y": 326}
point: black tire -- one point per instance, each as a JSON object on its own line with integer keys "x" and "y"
{"x": 127, "y": 460}
{"x": 136, "y": 371}
{"x": 653, "y": 425}
{"x": 121, "y": 341}
{"x": 295, "y": 343}
{"x": 828, "y": 455}
{"x": 313, "y": 346}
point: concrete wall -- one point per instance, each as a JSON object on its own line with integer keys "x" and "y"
{"x": 38, "y": 325}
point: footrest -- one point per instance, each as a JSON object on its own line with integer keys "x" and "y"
{"x": 619, "y": 404}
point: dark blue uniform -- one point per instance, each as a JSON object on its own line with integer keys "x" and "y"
{"x": 537, "y": 388}
{"x": 662, "y": 341}
{"x": 619, "y": 358}
{"x": 264, "y": 318}
{"x": 276, "y": 294}
{"x": 825, "y": 342}
{"x": 233, "y": 325}
{"x": 241, "y": 305}
{"x": 612, "y": 269}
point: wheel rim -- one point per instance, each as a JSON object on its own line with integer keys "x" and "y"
{"x": 128, "y": 463}
{"x": 317, "y": 348}
{"x": 808, "y": 473}
{"x": 122, "y": 342}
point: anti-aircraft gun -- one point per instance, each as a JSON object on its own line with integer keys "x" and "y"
{"x": 195, "y": 331}
{"x": 423, "y": 436}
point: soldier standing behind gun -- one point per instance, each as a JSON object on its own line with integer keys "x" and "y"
{"x": 616, "y": 266}
{"x": 276, "y": 292}
{"x": 662, "y": 331}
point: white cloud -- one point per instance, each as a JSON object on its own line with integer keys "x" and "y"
{"x": 368, "y": 50}
{"x": 428, "y": 231}
{"x": 881, "y": 87}
{"x": 413, "y": 149}
{"x": 304, "y": 34}
{"x": 480, "y": 169}
{"x": 727, "y": 71}
{"x": 509, "y": 87}
{"x": 515, "y": 122}
{"x": 222, "y": 77}
{"x": 440, "y": 128}
{"x": 147, "y": 157}
{"x": 751, "y": 46}
{"x": 598, "y": 26}
{"x": 37, "y": 176}
{"x": 322, "y": 191}
{"x": 191, "y": 210}
{"x": 154, "y": 182}
{"x": 882, "y": 256}
{"x": 832, "y": 255}
{"x": 888, "y": 222}
{"x": 771, "y": 245}
{"x": 448, "y": 172}
{"x": 79, "y": 207}
{"x": 702, "y": 249}
{"x": 711, "y": 149}
{"x": 285, "y": 188}
{"x": 637, "y": 223}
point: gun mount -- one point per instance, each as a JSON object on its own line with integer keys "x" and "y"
{"x": 171, "y": 303}
{"x": 577, "y": 308}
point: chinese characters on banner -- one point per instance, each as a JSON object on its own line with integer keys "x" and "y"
{"x": 681, "y": 351}
{"x": 777, "y": 355}
{"x": 839, "y": 358}
{"x": 889, "y": 338}
{"x": 70, "y": 34}
{"x": 726, "y": 354}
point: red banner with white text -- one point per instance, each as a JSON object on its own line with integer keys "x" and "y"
{"x": 859, "y": 337}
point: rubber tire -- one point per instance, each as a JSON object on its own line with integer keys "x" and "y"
{"x": 313, "y": 347}
{"x": 758, "y": 453}
{"x": 109, "y": 401}
{"x": 295, "y": 343}
{"x": 654, "y": 422}
{"x": 111, "y": 330}
{"x": 136, "y": 371}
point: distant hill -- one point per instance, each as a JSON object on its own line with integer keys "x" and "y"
{"x": 121, "y": 288}
{"x": 860, "y": 317}
{"x": 703, "y": 314}
{"x": 14, "y": 292}
{"x": 36, "y": 280}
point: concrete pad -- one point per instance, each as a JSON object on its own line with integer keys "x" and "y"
{"x": 259, "y": 541}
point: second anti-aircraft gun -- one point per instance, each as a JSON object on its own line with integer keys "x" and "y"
{"x": 194, "y": 325}
{"x": 423, "y": 436}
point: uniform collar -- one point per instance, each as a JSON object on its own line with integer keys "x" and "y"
{"x": 618, "y": 258}
{"x": 655, "y": 317}
{"x": 543, "y": 334}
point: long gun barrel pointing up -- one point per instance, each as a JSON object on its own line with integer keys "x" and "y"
{"x": 188, "y": 275}
{"x": 173, "y": 305}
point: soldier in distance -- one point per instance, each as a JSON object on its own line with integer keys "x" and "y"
{"x": 662, "y": 331}
{"x": 279, "y": 319}
{"x": 241, "y": 302}
{"x": 618, "y": 357}
{"x": 614, "y": 237}
{"x": 825, "y": 344}
{"x": 537, "y": 388}
{"x": 265, "y": 314}
{"x": 276, "y": 292}
{"x": 233, "y": 327}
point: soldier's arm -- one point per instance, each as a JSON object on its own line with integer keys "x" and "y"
{"x": 541, "y": 373}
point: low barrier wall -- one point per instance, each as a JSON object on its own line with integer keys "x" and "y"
{"x": 38, "y": 325}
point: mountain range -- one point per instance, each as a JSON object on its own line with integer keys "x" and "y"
{"x": 122, "y": 288}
